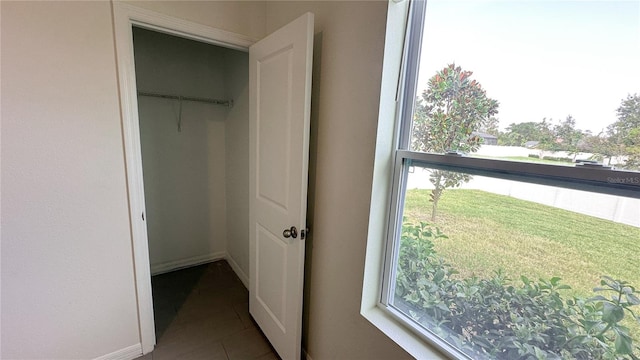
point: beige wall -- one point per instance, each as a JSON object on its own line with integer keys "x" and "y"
{"x": 346, "y": 89}
{"x": 67, "y": 271}
{"x": 68, "y": 286}
{"x": 241, "y": 17}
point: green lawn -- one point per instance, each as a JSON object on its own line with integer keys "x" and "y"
{"x": 488, "y": 232}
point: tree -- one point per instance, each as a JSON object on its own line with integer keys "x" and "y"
{"x": 449, "y": 110}
{"x": 491, "y": 127}
{"x": 568, "y": 138}
{"x": 624, "y": 134}
{"x": 548, "y": 139}
{"x": 600, "y": 146}
{"x": 519, "y": 134}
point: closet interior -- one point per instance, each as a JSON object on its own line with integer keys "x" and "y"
{"x": 193, "y": 108}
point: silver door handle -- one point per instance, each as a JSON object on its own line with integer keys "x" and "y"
{"x": 293, "y": 232}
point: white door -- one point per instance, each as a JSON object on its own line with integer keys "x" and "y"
{"x": 280, "y": 102}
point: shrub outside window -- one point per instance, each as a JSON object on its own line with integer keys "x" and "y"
{"x": 515, "y": 225}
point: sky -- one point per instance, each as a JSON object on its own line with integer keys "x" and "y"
{"x": 544, "y": 58}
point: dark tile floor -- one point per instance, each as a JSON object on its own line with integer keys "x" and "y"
{"x": 203, "y": 313}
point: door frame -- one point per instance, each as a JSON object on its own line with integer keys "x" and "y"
{"x": 125, "y": 17}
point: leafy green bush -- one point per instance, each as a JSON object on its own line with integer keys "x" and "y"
{"x": 498, "y": 318}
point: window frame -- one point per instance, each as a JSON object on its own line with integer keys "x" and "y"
{"x": 585, "y": 177}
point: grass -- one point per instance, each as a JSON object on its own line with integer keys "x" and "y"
{"x": 488, "y": 232}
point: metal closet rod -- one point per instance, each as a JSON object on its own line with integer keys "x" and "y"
{"x": 228, "y": 103}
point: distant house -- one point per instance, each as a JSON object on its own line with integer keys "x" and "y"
{"x": 531, "y": 144}
{"x": 488, "y": 139}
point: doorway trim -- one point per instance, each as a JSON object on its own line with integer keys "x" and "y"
{"x": 126, "y": 16}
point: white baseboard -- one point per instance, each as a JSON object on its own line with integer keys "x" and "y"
{"x": 164, "y": 267}
{"x": 236, "y": 268}
{"x": 128, "y": 353}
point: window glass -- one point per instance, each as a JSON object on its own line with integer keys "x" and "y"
{"x": 537, "y": 81}
{"x": 515, "y": 212}
{"x": 505, "y": 269}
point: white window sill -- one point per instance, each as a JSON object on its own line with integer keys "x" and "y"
{"x": 381, "y": 187}
{"x": 401, "y": 335}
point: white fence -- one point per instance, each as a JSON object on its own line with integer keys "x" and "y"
{"x": 505, "y": 151}
{"x": 615, "y": 208}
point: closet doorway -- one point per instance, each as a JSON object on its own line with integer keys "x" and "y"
{"x": 193, "y": 111}
{"x": 279, "y": 109}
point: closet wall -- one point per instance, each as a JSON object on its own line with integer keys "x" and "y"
{"x": 190, "y": 150}
{"x": 237, "y": 163}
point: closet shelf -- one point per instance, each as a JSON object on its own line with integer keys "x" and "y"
{"x": 228, "y": 103}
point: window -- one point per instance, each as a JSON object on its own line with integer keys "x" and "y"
{"x": 515, "y": 211}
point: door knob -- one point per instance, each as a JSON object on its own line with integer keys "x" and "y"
{"x": 293, "y": 232}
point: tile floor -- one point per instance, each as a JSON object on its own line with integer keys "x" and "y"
{"x": 203, "y": 313}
